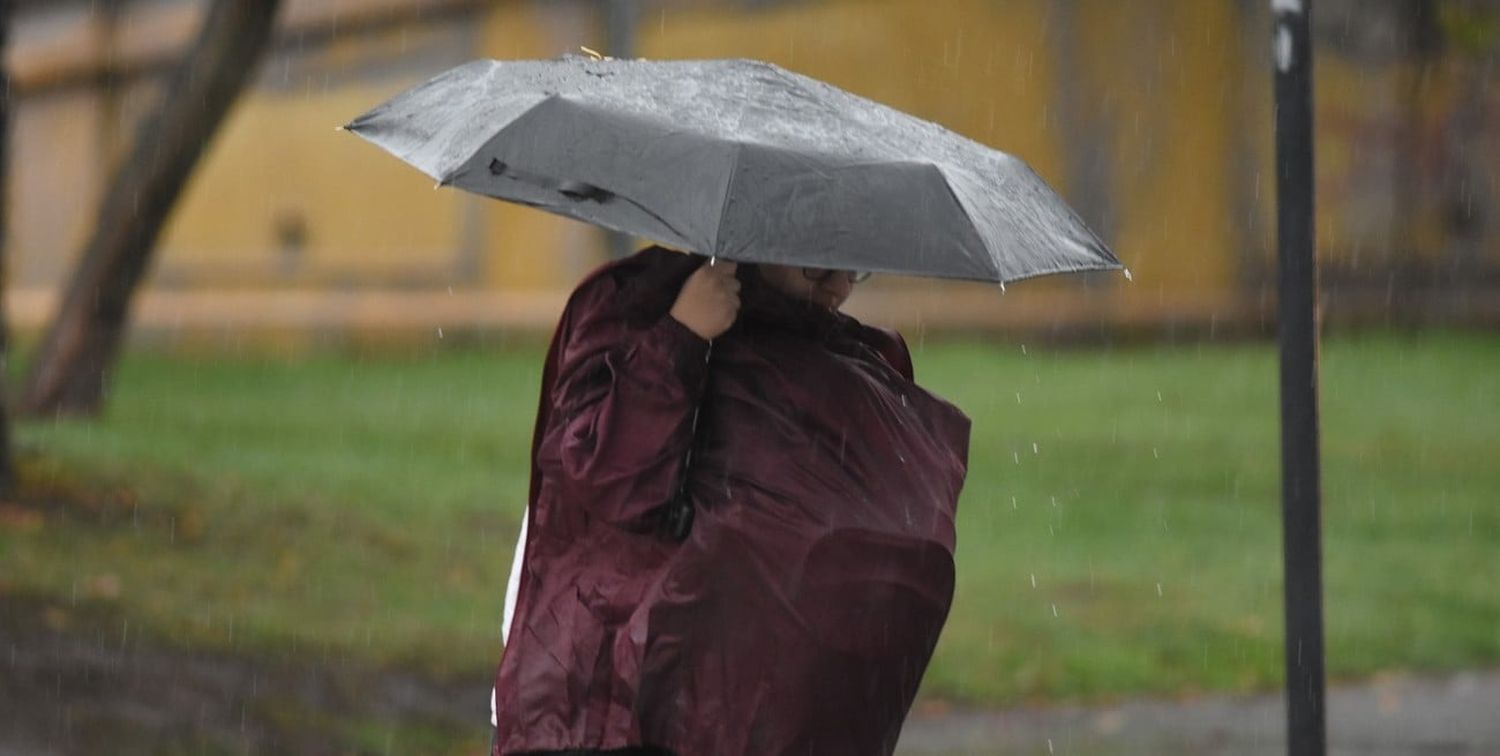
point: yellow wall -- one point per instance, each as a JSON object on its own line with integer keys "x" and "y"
{"x": 1170, "y": 125}
{"x": 368, "y": 217}
{"x": 54, "y": 186}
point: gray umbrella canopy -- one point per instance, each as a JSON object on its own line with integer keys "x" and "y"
{"x": 737, "y": 159}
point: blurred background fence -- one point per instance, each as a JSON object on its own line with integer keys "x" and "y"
{"x": 1151, "y": 117}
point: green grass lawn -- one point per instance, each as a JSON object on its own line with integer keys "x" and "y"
{"x": 1119, "y": 532}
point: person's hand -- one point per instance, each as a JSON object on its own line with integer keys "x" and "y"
{"x": 709, "y": 300}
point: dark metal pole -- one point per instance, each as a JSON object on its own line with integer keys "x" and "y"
{"x": 620, "y": 23}
{"x": 1298, "y": 333}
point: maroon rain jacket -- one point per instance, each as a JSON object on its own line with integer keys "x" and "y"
{"x": 798, "y": 614}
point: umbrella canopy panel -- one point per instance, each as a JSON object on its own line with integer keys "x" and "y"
{"x": 736, "y": 158}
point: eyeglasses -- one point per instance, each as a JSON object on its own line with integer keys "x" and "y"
{"x": 819, "y": 275}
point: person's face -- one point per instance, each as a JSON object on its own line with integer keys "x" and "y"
{"x": 826, "y": 288}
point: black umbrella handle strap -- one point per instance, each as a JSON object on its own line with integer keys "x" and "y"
{"x": 680, "y": 512}
{"x": 573, "y": 190}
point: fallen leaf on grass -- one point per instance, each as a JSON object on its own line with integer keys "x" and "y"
{"x": 56, "y": 618}
{"x": 20, "y": 519}
{"x": 106, "y": 586}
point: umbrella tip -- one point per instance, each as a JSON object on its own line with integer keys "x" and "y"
{"x": 1128, "y": 277}
{"x": 1002, "y": 287}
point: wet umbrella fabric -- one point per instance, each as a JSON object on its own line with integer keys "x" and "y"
{"x": 737, "y": 159}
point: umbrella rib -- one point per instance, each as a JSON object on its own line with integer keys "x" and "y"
{"x": 734, "y": 170}
{"x": 962, "y": 208}
{"x": 653, "y": 214}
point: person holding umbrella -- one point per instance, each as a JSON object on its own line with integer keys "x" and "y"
{"x": 740, "y": 527}
{"x": 796, "y": 609}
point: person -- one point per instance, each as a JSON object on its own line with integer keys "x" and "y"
{"x": 740, "y": 527}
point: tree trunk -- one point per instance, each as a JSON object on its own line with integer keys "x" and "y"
{"x": 7, "y": 463}
{"x": 75, "y": 358}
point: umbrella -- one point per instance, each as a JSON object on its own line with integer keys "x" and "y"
{"x": 736, "y": 159}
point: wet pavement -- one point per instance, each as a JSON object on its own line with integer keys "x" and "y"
{"x": 1454, "y": 714}
{"x": 92, "y": 690}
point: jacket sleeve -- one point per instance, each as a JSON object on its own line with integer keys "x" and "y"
{"x": 621, "y": 412}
